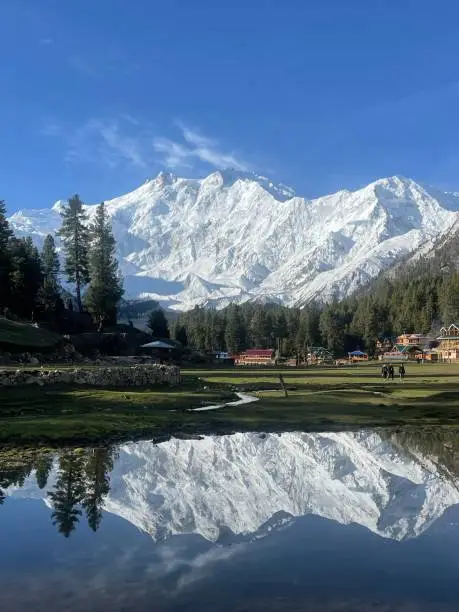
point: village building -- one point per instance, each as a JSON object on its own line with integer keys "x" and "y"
{"x": 402, "y": 352}
{"x": 448, "y": 347}
{"x": 410, "y": 347}
{"x": 319, "y": 354}
{"x": 356, "y": 356}
{"x": 419, "y": 340}
{"x": 383, "y": 345}
{"x": 255, "y": 357}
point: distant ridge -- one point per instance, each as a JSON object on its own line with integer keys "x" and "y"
{"x": 236, "y": 236}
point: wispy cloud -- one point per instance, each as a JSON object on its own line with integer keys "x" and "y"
{"x": 187, "y": 570}
{"x": 46, "y": 41}
{"x": 112, "y": 143}
{"x": 195, "y": 146}
{"x": 125, "y": 140}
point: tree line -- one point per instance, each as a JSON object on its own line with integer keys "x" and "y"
{"x": 413, "y": 301}
{"x": 82, "y": 483}
{"x": 30, "y": 286}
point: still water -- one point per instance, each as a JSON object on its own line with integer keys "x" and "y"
{"x": 292, "y": 521}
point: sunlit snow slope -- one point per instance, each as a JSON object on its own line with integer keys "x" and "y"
{"x": 236, "y": 236}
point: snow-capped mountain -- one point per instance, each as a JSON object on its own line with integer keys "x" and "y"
{"x": 246, "y": 485}
{"x": 237, "y": 236}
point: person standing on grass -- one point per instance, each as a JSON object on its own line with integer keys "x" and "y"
{"x": 384, "y": 371}
{"x": 391, "y": 371}
{"x": 401, "y": 371}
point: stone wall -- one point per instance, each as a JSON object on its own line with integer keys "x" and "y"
{"x": 127, "y": 376}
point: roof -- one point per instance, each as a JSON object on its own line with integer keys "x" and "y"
{"x": 320, "y": 351}
{"x": 357, "y": 353}
{"x": 157, "y": 344}
{"x": 413, "y": 335}
{"x": 404, "y": 348}
{"x": 258, "y": 352}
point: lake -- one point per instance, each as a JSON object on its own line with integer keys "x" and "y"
{"x": 341, "y": 521}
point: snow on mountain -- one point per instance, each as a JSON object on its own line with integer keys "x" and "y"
{"x": 248, "y": 484}
{"x": 236, "y": 236}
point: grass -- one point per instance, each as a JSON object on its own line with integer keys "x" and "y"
{"x": 320, "y": 398}
{"x": 24, "y": 336}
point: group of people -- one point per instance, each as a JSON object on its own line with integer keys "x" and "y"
{"x": 388, "y": 371}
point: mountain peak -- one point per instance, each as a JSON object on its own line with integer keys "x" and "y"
{"x": 396, "y": 181}
{"x": 229, "y": 176}
{"x": 59, "y": 206}
{"x": 165, "y": 178}
{"x": 245, "y": 238}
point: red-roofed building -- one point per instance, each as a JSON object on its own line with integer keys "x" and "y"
{"x": 255, "y": 357}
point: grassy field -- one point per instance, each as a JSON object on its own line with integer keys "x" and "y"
{"x": 318, "y": 399}
{"x": 22, "y": 336}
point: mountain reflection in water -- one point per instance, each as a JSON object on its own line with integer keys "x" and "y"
{"x": 246, "y": 522}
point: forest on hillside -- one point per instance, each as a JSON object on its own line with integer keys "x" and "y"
{"x": 417, "y": 297}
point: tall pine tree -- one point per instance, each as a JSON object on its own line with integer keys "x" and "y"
{"x": 157, "y": 323}
{"x": 5, "y": 258}
{"x": 105, "y": 288}
{"x": 75, "y": 238}
{"x": 49, "y": 292}
{"x": 68, "y": 492}
{"x": 43, "y": 469}
{"x": 181, "y": 335}
{"x": 235, "y": 332}
{"x": 97, "y": 468}
{"x": 26, "y": 276}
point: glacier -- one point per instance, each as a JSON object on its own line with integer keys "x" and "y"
{"x": 248, "y": 485}
{"x": 233, "y": 237}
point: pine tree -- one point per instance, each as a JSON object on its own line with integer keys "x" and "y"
{"x": 181, "y": 335}
{"x": 75, "y": 239}
{"x": 5, "y": 259}
{"x": 98, "y": 465}
{"x": 235, "y": 333}
{"x": 26, "y": 276}
{"x": 68, "y": 492}
{"x": 42, "y": 470}
{"x": 157, "y": 323}
{"x": 280, "y": 329}
{"x": 449, "y": 299}
{"x": 332, "y": 329}
{"x": 49, "y": 292}
{"x": 105, "y": 288}
{"x": 259, "y": 328}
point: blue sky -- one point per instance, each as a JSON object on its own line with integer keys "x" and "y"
{"x": 97, "y": 96}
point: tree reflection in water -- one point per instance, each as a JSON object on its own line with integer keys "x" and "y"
{"x": 82, "y": 482}
{"x": 438, "y": 446}
{"x": 82, "y": 476}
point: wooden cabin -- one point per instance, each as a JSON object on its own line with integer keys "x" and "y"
{"x": 448, "y": 343}
{"x": 403, "y": 352}
{"x": 319, "y": 354}
{"x": 357, "y": 356}
{"x": 412, "y": 340}
{"x": 384, "y": 344}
